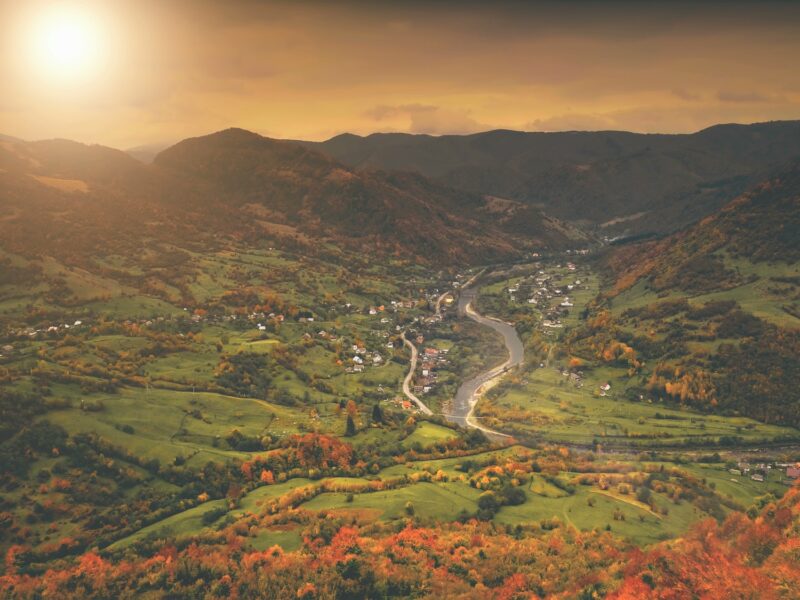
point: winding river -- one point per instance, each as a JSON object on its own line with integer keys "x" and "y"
{"x": 469, "y": 391}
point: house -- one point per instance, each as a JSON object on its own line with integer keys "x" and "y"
{"x": 757, "y": 477}
{"x": 358, "y": 360}
{"x": 605, "y": 387}
{"x": 552, "y": 324}
{"x": 793, "y": 472}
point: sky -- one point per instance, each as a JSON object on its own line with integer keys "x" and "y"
{"x": 133, "y": 72}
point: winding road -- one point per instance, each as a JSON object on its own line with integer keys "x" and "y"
{"x": 410, "y": 375}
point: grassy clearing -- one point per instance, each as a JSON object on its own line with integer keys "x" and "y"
{"x": 542, "y": 487}
{"x": 188, "y": 522}
{"x": 639, "y": 525}
{"x": 288, "y": 538}
{"x": 439, "y": 501}
{"x": 168, "y": 424}
{"x": 427, "y": 434}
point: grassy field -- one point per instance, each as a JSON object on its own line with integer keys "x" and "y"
{"x": 438, "y": 501}
{"x": 427, "y": 434}
{"x": 585, "y": 507}
{"x": 757, "y": 294}
{"x": 168, "y": 424}
{"x": 549, "y": 406}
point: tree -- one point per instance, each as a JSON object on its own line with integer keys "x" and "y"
{"x": 513, "y": 496}
{"x": 352, "y": 408}
{"x": 377, "y": 414}
{"x": 350, "y": 428}
{"x": 488, "y": 505}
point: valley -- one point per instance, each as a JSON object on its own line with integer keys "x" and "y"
{"x": 267, "y": 387}
{"x": 181, "y": 392}
{"x": 399, "y": 300}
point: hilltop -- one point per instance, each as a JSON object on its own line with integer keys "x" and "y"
{"x": 65, "y": 197}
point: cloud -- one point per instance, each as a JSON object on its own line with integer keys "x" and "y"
{"x": 573, "y": 122}
{"x": 427, "y": 118}
{"x": 741, "y": 97}
{"x": 685, "y": 94}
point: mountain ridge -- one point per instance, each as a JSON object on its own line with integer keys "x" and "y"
{"x": 592, "y": 177}
{"x": 238, "y": 183}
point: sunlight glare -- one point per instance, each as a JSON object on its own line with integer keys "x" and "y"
{"x": 66, "y": 43}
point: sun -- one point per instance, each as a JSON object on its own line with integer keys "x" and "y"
{"x": 66, "y": 43}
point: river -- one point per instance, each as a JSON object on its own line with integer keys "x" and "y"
{"x": 467, "y": 396}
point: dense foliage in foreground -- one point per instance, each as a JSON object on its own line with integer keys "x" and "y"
{"x": 741, "y": 558}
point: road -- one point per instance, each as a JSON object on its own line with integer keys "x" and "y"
{"x": 439, "y": 301}
{"x": 410, "y": 375}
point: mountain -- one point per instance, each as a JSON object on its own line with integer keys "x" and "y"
{"x": 710, "y": 316}
{"x": 287, "y": 184}
{"x": 618, "y": 181}
{"x": 758, "y": 231}
{"x": 71, "y": 197}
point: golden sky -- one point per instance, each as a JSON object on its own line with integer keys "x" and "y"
{"x": 149, "y": 71}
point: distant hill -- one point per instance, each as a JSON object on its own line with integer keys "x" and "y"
{"x": 147, "y": 152}
{"x": 61, "y": 196}
{"x": 623, "y": 182}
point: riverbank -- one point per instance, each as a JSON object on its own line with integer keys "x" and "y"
{"x": 468, "y": 394}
